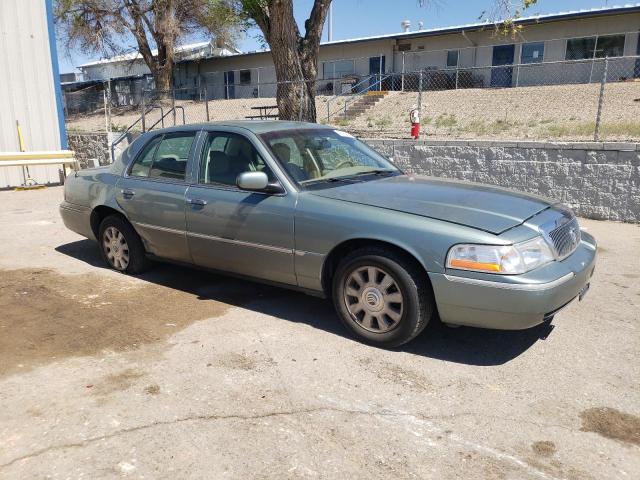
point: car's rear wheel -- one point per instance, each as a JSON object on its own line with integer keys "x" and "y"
{"x": 382, "y": 296}
{"x": 121, "y": 246}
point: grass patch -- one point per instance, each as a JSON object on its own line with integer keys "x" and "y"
{"x": 445, "y": 120}
{"x": 341, "y": 122}
{"x": 383, "y": 122}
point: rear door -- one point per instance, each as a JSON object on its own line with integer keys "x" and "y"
{"x": 248, "y": 233}
{"x": 152, "y": 193}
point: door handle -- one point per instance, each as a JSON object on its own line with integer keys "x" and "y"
{"x": 127, "y": 193}
{"x": 197, "y": 202}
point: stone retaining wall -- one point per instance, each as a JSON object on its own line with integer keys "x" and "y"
{"x": 90, "y": 146}
{"x": 599, "y": 180}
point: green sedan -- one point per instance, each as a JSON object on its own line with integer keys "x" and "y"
{"x": 312, "y": 208}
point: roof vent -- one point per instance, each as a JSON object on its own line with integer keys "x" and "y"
{"x": 406, "y": 25}
{"x": 421, "y": 25}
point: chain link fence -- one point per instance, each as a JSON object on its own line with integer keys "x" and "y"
{"x": 597, "y": 99}
{"x": 590, "y": 99}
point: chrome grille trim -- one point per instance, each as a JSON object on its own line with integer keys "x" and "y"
{"x": 562, "y": 234}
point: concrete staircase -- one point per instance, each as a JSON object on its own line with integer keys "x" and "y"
{"x": 361, "y": 105}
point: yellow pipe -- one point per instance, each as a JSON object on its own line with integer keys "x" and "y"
{"x": 64, "y": 154}
{"x": 20, "y": 139}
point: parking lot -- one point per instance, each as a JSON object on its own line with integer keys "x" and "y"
{"x": 182, "y": 373}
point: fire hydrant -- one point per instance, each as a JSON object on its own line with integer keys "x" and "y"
{"x": 414, "y": 117}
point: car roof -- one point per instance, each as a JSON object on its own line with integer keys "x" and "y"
{"x": 255, "y": 126}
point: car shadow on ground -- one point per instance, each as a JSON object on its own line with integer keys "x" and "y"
{"x": 472, "y": 346}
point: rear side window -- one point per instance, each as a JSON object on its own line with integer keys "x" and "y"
{"x": 165, "y": 157}
{"x": 142, "y": 165}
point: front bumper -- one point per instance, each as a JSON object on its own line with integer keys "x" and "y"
{"x": 514, "y": 302}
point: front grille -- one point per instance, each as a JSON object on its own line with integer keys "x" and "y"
{"x": 565, "y": 237}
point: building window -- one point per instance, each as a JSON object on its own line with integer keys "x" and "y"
{"x": 245, "y": 77}
{"x": 580, "y": 48}
{"x": 532, "y": 52}
{"x": 452, "y": 58}
{"x": 338, "y": 68}
{"x": 610, "y": 46}
{"x": 404, "y": 47}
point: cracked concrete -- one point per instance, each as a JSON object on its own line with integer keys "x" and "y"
{"x": 268, "y": 385}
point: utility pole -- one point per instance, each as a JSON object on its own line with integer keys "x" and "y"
{"x": 330, "y": 23}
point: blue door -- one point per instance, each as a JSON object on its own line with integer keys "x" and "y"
{"x": 374, "y": 69}
{"x": 502, "y": 55}
{"x": 229, "y": 84}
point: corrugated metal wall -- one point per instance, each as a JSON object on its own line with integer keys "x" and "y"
{"x": 27, "y": 88}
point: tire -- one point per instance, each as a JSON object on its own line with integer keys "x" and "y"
{"x": 121, "y": 247}
{"x": 371, "y": 308}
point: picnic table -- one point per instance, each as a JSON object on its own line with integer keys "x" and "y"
{"x": 265, "y": 112}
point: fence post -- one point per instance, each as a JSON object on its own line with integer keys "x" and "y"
{"x": 173, "y": 105}
{"x": 206, "y": 100}
{"x": 106, "y": 113}
{"x": 420, "y": 93}
{"x": 258, "y": 82}
{"x": 380, "y": 81}
{"x": 142, "y": 102}
{"x": 402, "y": 82}
{"x": 109, "y": 102}
{"x": 596, "y": 136}
{"x": 517, "y": 75}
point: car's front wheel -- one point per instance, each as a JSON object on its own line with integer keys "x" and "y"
{"x": 121, "y": 246}
{"x": 382, "y": 296}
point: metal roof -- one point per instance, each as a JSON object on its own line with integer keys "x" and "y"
{"x": 533, "y": 19}
{"x": 183, "y": 49}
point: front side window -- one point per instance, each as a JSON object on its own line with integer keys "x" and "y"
{"x": 580, "y": 48}
{"x": 532, "y": 52}
{"x": 164, "y": 157}
{"x": 610, "y": 46}
{"x": 321, "y": 156}
{"x": 226, "y": 155}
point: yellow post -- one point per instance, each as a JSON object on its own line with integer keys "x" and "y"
{"x": 20, "y": 139}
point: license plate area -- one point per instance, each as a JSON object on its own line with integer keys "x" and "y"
{"x": 583, "y": 292}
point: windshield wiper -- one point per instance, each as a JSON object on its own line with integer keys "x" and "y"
{"x": 378, "y": 171}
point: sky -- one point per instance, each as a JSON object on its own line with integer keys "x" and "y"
{"x": 361, "y": 18}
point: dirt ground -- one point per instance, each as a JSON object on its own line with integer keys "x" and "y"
{"x": 184, "y": 374}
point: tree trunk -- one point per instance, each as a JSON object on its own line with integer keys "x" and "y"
{"x": 295, "y": 57}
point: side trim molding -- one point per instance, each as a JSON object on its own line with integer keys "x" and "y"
{"x": 157, "y": 227}
{"x": 271, "y": 248}
{"x": 529, "y": 287}
{"x": 262, "y": 246}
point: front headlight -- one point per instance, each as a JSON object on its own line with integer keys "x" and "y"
{"x": 506, "y": 260}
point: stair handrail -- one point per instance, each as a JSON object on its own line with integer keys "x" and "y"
{"x": 124, "y": 134}
{"x": 353, "y": 95}
{"x": 171, "y": 110}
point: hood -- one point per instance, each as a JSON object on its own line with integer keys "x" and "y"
{"x": 492, "y": 209}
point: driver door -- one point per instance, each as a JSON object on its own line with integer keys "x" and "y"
{"x": 228, "y": 229}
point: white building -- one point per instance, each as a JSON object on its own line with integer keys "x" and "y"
{"x": 132, "y": 64}
{"x": 30, "y": 88}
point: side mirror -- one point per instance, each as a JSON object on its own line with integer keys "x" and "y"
{"x": 258, "y": 182}
{"x": 253, "y": 181}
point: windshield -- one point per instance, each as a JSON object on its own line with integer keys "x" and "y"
{"x": 317, "y": 156}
